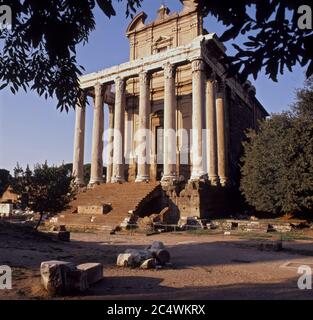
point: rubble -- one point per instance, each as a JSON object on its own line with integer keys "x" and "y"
{"x": 153, "y": 256}
{"x": 130, "y": 222}
{"x": 127, "y": 260}
{"x": 149, "y": 264}
{"x": 186, "y": 223}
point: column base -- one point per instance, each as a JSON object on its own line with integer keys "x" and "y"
{"x": 214, "y": 180}
{"x": 117, "y": 179}
{"x": 168, "y": 180}
{"x": 224, "y": 182}
{"x": 142, "y": 179}
{"x": 95, "y": 182}
{"x": 79, "y": 182}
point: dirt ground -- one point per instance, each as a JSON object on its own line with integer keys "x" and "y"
{"x": 204, "y": 266}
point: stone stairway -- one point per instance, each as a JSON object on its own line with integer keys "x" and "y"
{"x": 122, "y": 197}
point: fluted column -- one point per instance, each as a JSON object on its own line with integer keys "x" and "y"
{"x": 211, "y": 130}
{"x": 144, "y": 116}
{"x": 221, "y": 134}
{"x": 198, "y": 118}
{"x": 110, "y": 146}
{"x": 79, "y": 142}
{"x": 96, "y": 171}
{"x": 119, "y": 124}
{"x": 169, "y": 164}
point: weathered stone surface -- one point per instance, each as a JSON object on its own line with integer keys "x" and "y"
{"x": 282, "y": 227}
{"x": 77, "y": 280}
{"x": 140, "y": 254}
{"x": 162, "y": 256}
{"x": 148, "y": 264}
{"x": 128, "y": 260}
{"x": 54, "y": 276}
{"x": 93, "y": 271}
{"x": 102, "y": 209}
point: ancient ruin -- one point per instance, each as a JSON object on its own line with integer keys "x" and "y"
{"x": 176, "y": 122}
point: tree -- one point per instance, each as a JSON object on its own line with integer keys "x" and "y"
{"x": 274, "y": 40}
{"x": 43, "y": 190}
{"x": 40, "y": 51}
{"x": 5, "y": 178}
{"x": 277, "y": 171}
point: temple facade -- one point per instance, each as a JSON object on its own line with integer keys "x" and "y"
{"x": 174, "y": 116}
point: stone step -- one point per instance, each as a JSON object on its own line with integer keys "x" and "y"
{"x": 122, "y": 197}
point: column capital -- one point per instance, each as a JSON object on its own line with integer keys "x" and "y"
{"x": 144, "y": 77}
{"x": 82, "y": 98}
{"x": 99, "y": 90}
{"x": 197, "y": 65}
{"x": 119, "y": 83}
{"x": 169, "y": 70}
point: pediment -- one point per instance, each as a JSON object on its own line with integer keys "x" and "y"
{"x": 137, "y": 23}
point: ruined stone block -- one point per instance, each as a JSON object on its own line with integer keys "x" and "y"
{"x": 54, "y": 276}
{"x": 128, "y": 260}
{"x": 96, "y": 210}
{"x": 77, "y": 280}
{"x": 93, "y": 271}
{"x": 149, "y": 264}
{"x": 162, "y": 256}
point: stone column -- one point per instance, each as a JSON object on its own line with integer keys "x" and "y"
{"x": 144, "y": 117}
{"x": 222, "y": 153}
{"x": 198, "y": 118}
{"x": 79, "y": 142}
{"x": 110, "y": 149}
{"x": 119, "y": 124}
{"x": 211, "y": 130}
{"x": 96, "y": 171}
{"x": 169, "y": 164}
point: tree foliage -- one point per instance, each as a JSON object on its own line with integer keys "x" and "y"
{"x": 273, "y": 39}
{"x": 277, "y": 171}
{"x": 5, "y": 179}
{"x": 40, "y": 51}
{"x": 45, "y": 189}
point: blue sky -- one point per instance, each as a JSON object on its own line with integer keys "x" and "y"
{"x": 32, "y": 130}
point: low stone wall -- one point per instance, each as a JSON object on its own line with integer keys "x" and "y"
{"x": 254, "y": 226}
